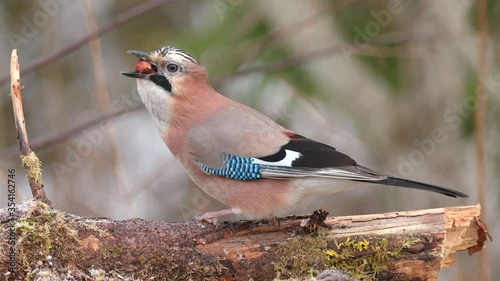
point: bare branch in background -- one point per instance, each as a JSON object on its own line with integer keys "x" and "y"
{"x": 58, "y": 137}
{"x": 108, "y": 26}
{"x": 30, "y": 162}
{"x": 296, "y": 27}
{"x": 270, "y": 68}
{"x": 480, "y": 124}
{"x": 102, "y": 93}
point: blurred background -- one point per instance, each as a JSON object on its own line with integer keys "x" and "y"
{"x": 394, "y": 84}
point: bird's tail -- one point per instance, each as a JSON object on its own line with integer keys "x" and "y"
{"x": 421, "y": 186}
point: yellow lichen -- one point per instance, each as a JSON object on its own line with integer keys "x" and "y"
{"x": 362, "y": 259}
{"x": 360, "y": 246}
{"x": 331, "y": 254}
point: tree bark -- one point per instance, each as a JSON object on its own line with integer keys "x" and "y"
{"x": 410, "y": 245}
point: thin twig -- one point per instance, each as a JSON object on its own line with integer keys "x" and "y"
{"x": 15, "y": 93}
{"x": 30, "y": 162}
{"x": 479, "y": 124}
{"x": 108, "y": 26}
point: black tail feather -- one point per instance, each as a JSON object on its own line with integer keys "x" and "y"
{"x": 421, "y": 186}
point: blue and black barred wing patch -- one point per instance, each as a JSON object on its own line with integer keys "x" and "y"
{"x": 235, "y": 167}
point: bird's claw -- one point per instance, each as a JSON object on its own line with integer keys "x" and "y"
{"x": 212, "y": 217}
{"x": 202, "y": 218}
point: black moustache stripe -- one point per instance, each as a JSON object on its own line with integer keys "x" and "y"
{"x": 161, "y": 81}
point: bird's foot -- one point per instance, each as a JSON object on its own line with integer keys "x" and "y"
{"x": 212, "y": 217}
{"x": 316, "y": 221}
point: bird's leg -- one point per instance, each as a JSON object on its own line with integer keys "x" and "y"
{"x": 212, "y": 217}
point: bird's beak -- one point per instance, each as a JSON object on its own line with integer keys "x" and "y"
{"x": 144, "y": 67}
{"x": 134, "y": 74}
{"x": 139, "y": 54}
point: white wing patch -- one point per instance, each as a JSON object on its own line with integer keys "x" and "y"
{"x": 287, "y": 161}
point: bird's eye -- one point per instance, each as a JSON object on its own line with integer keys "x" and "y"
{"x": 172, "y": 67}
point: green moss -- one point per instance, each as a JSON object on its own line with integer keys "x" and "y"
{"x": 360, "y": 258}
{"x": 301, "y": 257}
{"x": 38, "y": 236}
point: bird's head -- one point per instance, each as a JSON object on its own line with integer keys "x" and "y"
{"x": 167, "y": 68}
{"x": 166, "y": 75}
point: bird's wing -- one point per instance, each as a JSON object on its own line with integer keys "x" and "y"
{"x": 303, "y": 157}
{"x": 244, "y": 144}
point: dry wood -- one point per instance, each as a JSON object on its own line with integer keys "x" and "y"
{"x": 412, "y": 245}
{"x": 29, "y": 160}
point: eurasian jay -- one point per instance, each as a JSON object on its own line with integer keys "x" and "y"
{"x": 235, "y": 153}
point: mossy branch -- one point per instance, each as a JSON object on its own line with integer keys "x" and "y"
{"x": 30, "y": 162}
{"x": 412, "y": 245}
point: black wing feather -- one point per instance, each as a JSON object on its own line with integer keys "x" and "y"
{"x": 422, "y": 186}
{"x": 314, "y": 154}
